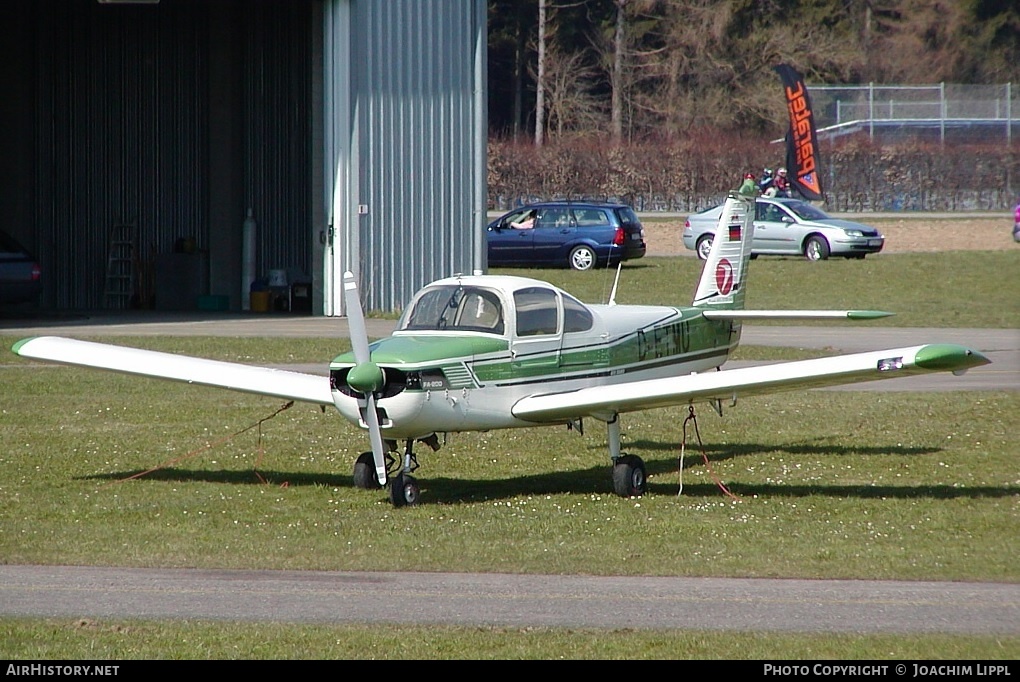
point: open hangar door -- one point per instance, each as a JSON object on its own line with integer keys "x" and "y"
{"x": 171, "y": 120}
{"x": 158, "y": 125}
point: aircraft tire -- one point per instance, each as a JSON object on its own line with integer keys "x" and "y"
{"x": 629, "y": 478}
{"x": 364, "y": 472}
{"x": 404, "y": 491}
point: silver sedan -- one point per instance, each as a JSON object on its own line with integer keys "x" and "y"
{"x": 785, "y": 227}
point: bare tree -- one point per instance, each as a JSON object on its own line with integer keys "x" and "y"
{"x": 616, "y": 80}
{"x": 572, "y": 104}
{"x": 540, "y": 77}
{"x": 669, "y": 67}
{"x": 917, "y": 41}
{"x": 521, "y": 44}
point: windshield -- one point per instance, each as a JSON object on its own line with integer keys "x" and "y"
{"x": 456, "y": 308}
{"x": 805, "y": 210}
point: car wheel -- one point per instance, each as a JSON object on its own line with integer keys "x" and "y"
{"x": 704, "y": 246}
{"x": 582, "y": 258}
{"x": 816, "y": 248}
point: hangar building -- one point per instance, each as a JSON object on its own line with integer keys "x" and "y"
{"x": 138, "y": 136}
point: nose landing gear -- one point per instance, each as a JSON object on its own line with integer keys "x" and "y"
{"x": 403, "y": 487}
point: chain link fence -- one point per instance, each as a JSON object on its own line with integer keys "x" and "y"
{"x": 945, "y": 112}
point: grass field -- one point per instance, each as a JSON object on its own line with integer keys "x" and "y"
{"x": 828, "y": 484}
{"x": 945, "y": 289}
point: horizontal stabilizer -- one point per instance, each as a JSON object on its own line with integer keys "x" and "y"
{"x": 266, "y": 381}
{"x": 795, "y": 314}
{"x": 728, "y": 384}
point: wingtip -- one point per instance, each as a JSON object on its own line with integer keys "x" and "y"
{"x": 949, "y": 356}
{"x": 867, "y": 314}
{"x": 18, "y": 345}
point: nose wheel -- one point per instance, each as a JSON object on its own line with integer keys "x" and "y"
{"x": 404, "y": 490}
{"x": 403, "y": 487}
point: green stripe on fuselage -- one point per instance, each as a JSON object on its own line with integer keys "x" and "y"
{"x": 415, "y": 350}
{"x": 490, "y": 360}
{"x": 656, "y": 346}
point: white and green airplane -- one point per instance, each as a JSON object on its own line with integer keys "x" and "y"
{"x": 482, "y": 352}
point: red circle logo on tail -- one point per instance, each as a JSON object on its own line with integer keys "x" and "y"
{"x": 724, "y": 276}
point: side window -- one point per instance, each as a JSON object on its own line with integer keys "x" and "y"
{"x": 515, "y": 217}
{"x": 627, "y": 215}
{"x": 554, "y": 217}
{"x": 772, "y": 214}
{"x": 591, "y": 217}
{"x": 576, "y": 317}
{"x": 536, "y": 311}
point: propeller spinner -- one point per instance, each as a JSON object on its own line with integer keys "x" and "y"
{"x": 366, "y": 377}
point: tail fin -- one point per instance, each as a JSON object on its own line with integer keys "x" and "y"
{"x": 723, "y": 278}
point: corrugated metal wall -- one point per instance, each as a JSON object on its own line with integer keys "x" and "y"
{"x": 406, "y": 170}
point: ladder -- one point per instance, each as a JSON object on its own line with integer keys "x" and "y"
{"x": 120, "y": 266}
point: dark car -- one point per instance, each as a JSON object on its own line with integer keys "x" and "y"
{"x": 575, "y": 234}
{"x": 20, "y": 274}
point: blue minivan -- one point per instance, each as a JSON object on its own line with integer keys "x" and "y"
{"x": 575, "y": 234}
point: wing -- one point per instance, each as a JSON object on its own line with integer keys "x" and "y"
{"x": 267, "y": 381}
{"x": 733, "y": 383}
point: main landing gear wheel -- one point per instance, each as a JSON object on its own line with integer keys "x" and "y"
{"x": 404, "y": 490}
{"x": 364, "y": 472}
{"x": 629, "y": 479}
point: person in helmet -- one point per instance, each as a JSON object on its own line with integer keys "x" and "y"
{"x": 782, "y": 183}
{"x": 748, "y": 188}
{"x": 765, "y": 184}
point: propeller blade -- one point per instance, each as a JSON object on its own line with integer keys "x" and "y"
{"x": 375, "y": 437}
{"x": 363, "y": 356}
{"x": 356, "y": 320}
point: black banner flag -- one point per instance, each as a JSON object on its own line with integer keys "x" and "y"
{"x": 801, "y": 138}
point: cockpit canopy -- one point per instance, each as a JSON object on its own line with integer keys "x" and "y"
{"x": 455, "y": 308}
{"x": 532, "y": 310}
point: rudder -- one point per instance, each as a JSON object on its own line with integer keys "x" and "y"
{"x": 724, "y": 275}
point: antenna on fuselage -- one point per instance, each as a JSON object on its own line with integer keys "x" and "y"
{"x": 616, "y": 282}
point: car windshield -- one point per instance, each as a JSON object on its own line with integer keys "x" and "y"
{"x": 456, "y": 308}
{"x": 805, "y": 210}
